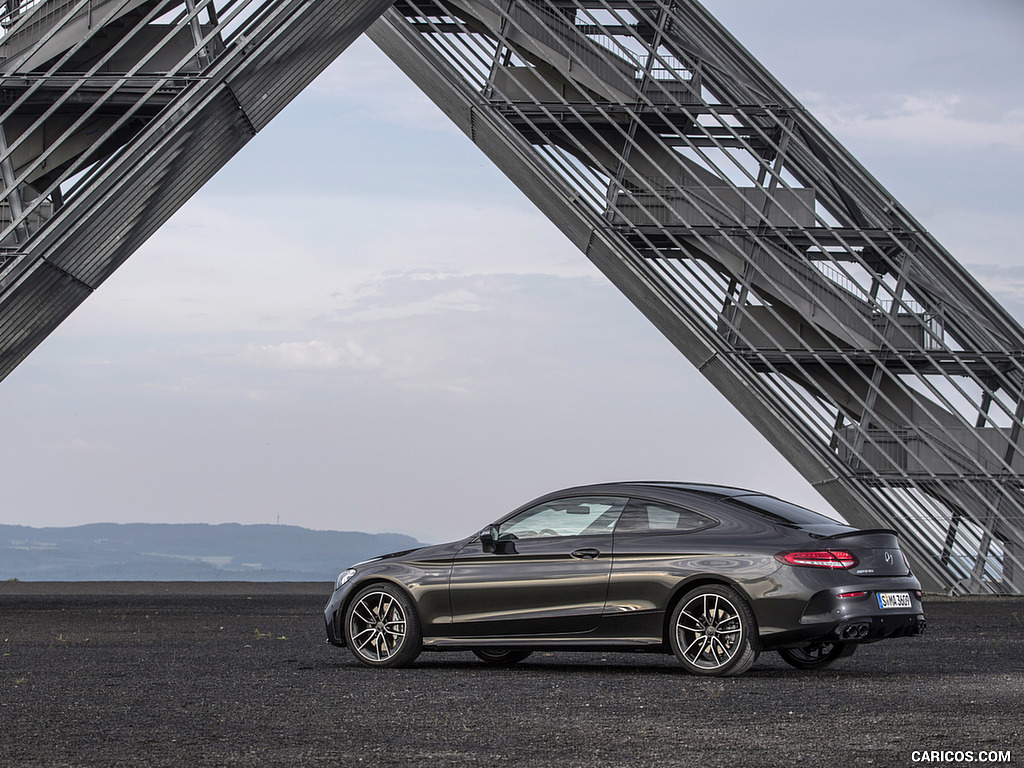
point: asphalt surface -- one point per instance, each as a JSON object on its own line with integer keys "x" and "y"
{"x": 202, "y": 674}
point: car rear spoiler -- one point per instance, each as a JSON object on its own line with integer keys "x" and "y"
{"x": 860, "y": 532}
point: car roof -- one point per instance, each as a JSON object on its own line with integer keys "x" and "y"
{"x": 659, "y": 487}
{"x": 698, "y": 495}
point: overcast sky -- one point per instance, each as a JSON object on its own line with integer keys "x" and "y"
{"x": 359, "y": 324}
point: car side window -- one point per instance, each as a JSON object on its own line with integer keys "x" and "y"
{"x": 642, "y": 516}
{"x": 564, "y": 517}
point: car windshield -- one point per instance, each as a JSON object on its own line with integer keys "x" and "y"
{"x": 781, "y": 511}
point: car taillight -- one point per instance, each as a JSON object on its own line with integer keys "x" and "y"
{"x": 824, "y": 558}
{"x": 847, "y": 595}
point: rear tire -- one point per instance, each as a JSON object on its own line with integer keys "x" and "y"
{"x": 817, "y": 656}
{"x": 382, "y": 628}
{"x": 713, "y": 632}
{"x": 500, "y": 658}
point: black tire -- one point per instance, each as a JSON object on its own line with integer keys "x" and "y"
{"x": 817, "y": 656}
{"x": 500, "y": 658}
{"x": 382, "y": 628}
{"x": 712, "y": 631}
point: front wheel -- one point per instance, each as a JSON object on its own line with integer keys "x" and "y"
{"x": 713, "y": 632}
{"x": 382, "y": 628}
{"x": 817, "y": 656}
{"x": 500, "y": 658}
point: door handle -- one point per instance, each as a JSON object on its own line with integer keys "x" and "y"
{"x": 586, "y": 554}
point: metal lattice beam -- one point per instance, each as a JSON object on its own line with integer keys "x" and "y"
{"x": 740, "y": 227}
{"x": 115, "y": 112}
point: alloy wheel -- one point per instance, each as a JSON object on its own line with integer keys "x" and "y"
{"x": 377, "y": 626}
{"x": 708, "y": 631}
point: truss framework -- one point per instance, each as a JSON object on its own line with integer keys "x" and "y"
{"x": 742, "y": 229}
{"x": 115, "y": 112}
{"x": 704, "y": 191}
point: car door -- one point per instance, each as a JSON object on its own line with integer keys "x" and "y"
{"x": 656, "y": 545}
{"x": 548, "y": 573}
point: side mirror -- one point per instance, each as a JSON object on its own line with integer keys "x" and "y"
{"x": 489, "y": 538}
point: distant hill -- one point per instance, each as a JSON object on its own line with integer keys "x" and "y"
{"x": 186, "y": 552}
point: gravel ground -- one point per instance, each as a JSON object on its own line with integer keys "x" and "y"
{"x": 204, "y": 674}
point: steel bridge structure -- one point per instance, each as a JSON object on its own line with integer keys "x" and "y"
{"x": 794, "y": 282}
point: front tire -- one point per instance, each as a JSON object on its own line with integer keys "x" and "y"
{"x": 817, "y": 656}
{"x": 382, "y": 628}
{"x": 500, "y": 658}
{"x": 713, "y": 632}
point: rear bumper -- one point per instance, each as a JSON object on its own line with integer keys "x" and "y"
{"x": 873, "y": 628}
{"x": 829, "y": 618}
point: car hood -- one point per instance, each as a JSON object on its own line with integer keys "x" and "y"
{"x": 428, "y": 552}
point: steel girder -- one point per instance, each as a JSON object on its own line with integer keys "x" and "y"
{"x": 114, "y": 112}
{"x": 758, "y": 245}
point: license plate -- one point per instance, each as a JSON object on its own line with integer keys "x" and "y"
{"x": 893, "y": 599}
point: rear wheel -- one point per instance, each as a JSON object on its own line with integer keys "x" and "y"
{"x": 382, "y": 628}
{"x": 817, "y": 656}
{"x": 713, "y": 632}
{"x": 500, "y": 658}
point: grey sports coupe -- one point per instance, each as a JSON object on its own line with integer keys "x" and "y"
{"x": 714, "y": 575}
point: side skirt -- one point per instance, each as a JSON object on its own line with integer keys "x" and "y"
{"x": 542, "y": 643}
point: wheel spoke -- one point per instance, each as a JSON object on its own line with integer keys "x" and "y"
{"x": 725, "y": 650}
{"x": 701, "y": 650}
{"x": 369, "y": 640}
{"x": 696, "y": 640}
{"x": 358, "y": 612}
{"x": 689, "y": 615}
{"x": 714, "y": 651}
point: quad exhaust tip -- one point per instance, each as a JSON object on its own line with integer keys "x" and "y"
{"x": 856, "y": 631}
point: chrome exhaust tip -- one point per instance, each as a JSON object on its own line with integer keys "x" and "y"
{"x": 855, "y": 631}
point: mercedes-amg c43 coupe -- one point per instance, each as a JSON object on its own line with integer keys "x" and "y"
{"x": 713, "y": 575}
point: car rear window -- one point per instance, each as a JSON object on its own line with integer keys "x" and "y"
{"x": 641, "y": 517}
{"x": 780, "y": 511}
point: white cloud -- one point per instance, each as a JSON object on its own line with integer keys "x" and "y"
{"x": 459, "y": 300}
{"x": 976, "y": 236}
{"x": 310, "y": 356}
{"x": 1005, "y": 283}
{"x": 278, "y": 264}
{"x": 206, "y": 387}
{"x": 927, "y": 121}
